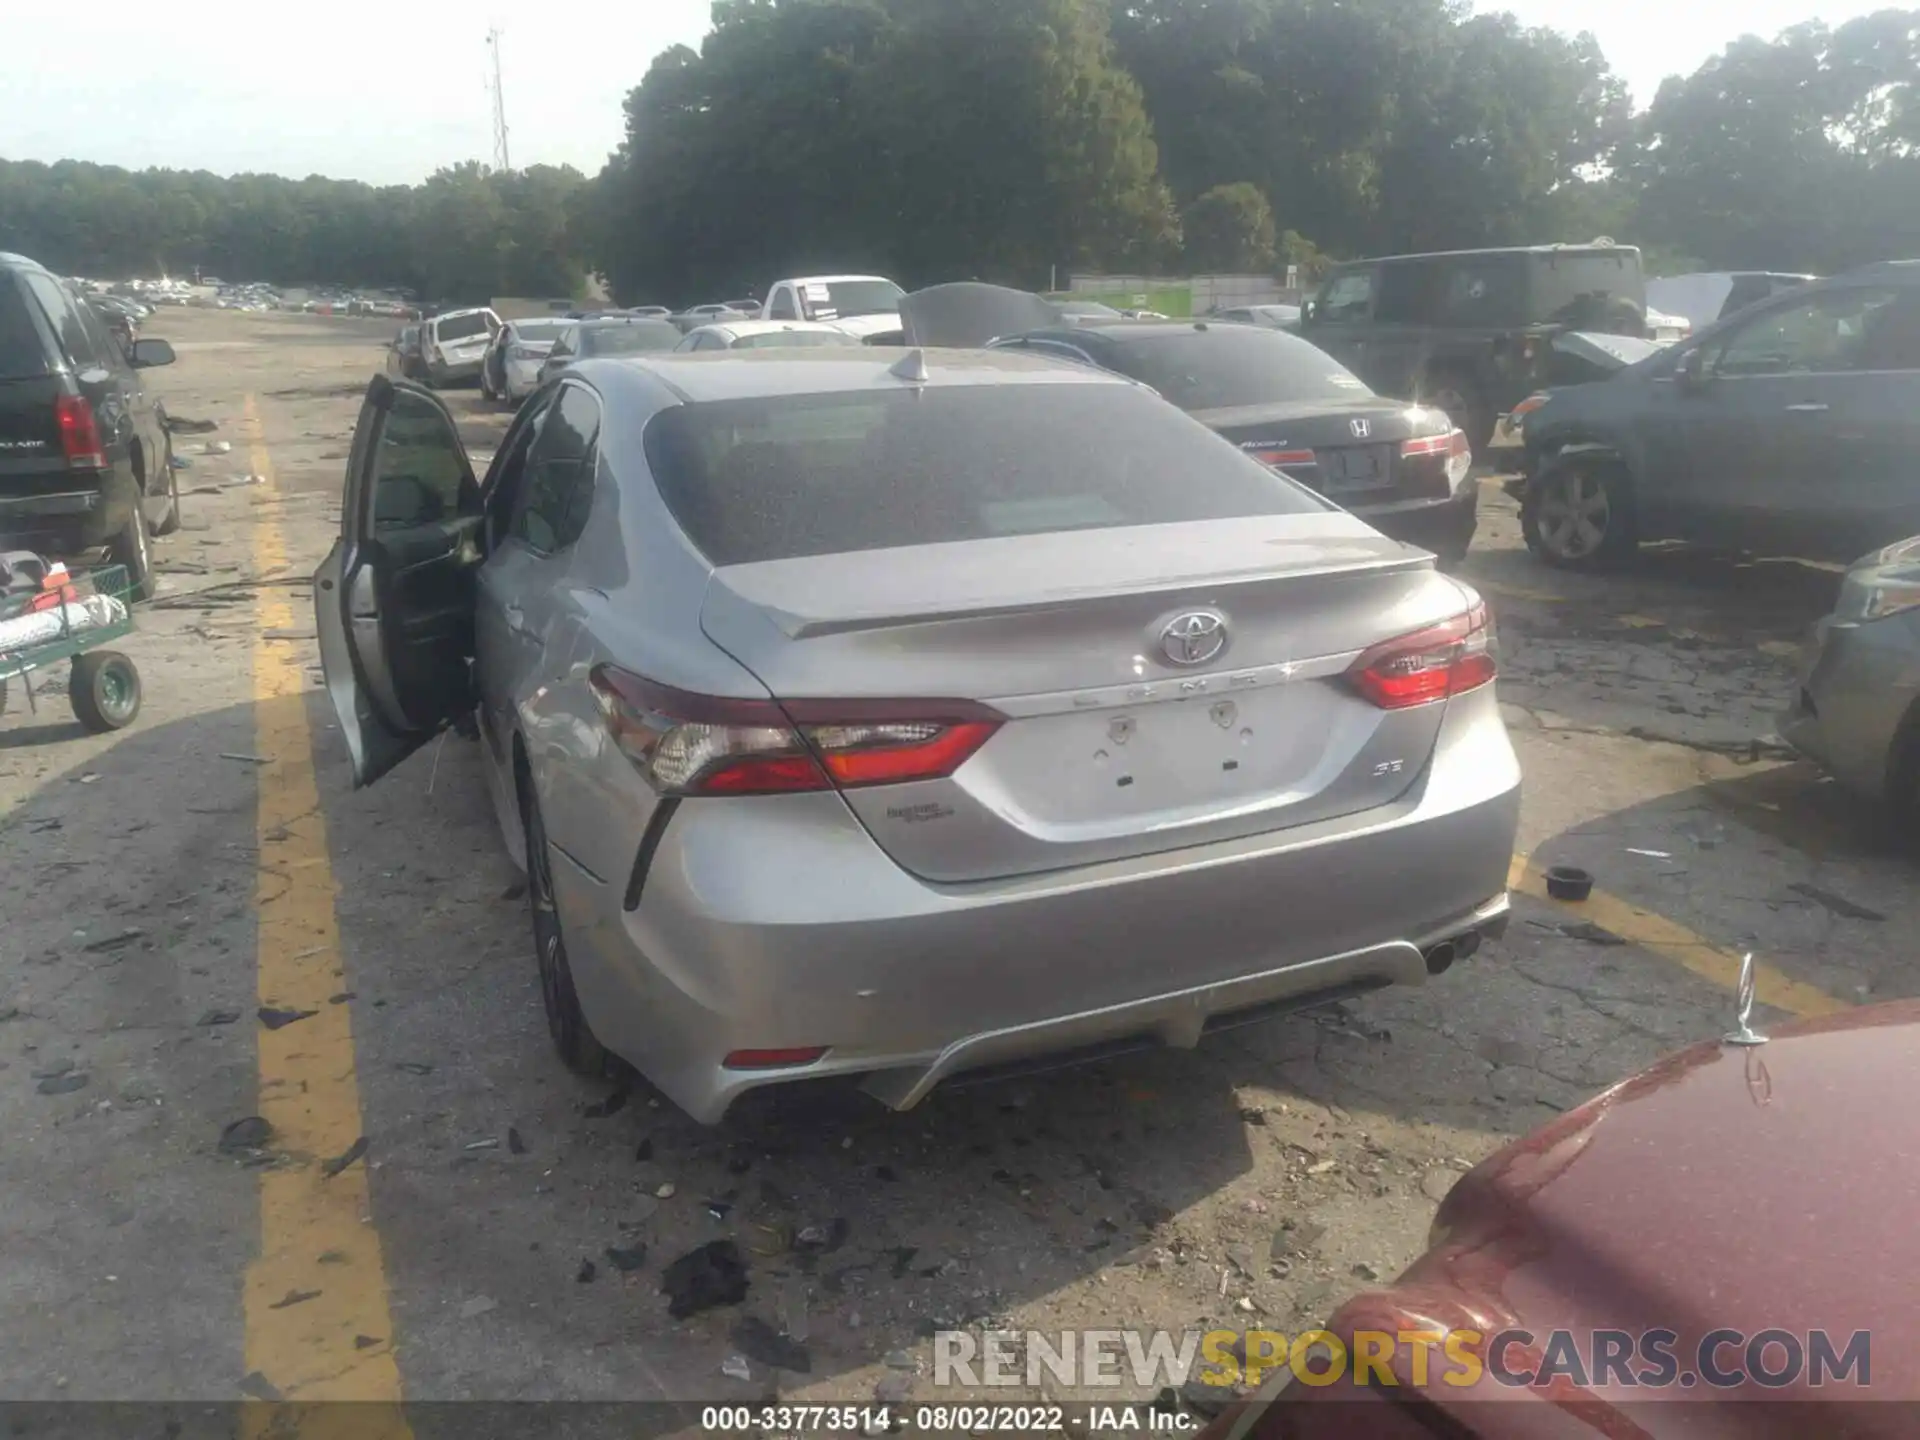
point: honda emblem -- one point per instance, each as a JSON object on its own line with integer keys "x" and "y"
{"x": 1361, "y": 428}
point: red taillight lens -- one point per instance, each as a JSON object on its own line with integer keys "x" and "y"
{"x": 1428, "y": 665}
{"x": 686, "y": 744}
{"x": 1284, "y": 459}
{"x": 79, "y": 433}
{"x": 772, "y": 1059}
{"x": 1452, "y": 450}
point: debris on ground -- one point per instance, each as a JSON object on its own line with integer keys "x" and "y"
{"x": 585, "y": 1274}
{"x": 476, "y": 1307}
{"x": 275, "y": 1019}
{"x": 893, "y": 1389}
{"x": 735, "y": 1367}
{"x": 1838, "y": 904}
{"x": 515, "y": 1145}
{"x": 181, "y": 425}
{"x": 628, "y": 1260}
{"x": 1207, "y": 1399}
{"x": 482, "y": 1145}
{"x": 251, "y": 1132}
{"x": 413, "y": 1067}
{"x": 256, "y": 1386}
{"x": 62, "y": 1084}
{"x": 601, "y": 1109}
{"x": 293, "y": 1298}
{"x": 643, "y": 1152}
{"x": 113, "y": 942}
{"x": 1579, "y": 930}
{"x": 823, "y": 1239}
{"x": 340, "y": 1162}
{"x": 760, "y": 1341}
{"x": 665, "y": 1192}
{"x": 219, "y": 1017}
{"x": 708, "y": 1276}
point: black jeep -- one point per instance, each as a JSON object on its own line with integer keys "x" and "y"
{"x": 1470, "y": 331}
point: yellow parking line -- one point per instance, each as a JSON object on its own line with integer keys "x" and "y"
{"x": 1675, "y": 942}
{"x": 318, "y": 1327}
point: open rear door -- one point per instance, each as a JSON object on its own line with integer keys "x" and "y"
{"x": 393, "y": 601}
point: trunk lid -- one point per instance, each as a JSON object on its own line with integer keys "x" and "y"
{"x": 1110, "y": 748}
{"x": 1320, "y": 443}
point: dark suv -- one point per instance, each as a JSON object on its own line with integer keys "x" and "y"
{"x": 85, "y": 461}
{"x": 1470, "y": 331}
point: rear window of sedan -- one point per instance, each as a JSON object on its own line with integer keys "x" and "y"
{"x": 791, "y": 476}
{"x": 1227, "y": 366}
{"x": 639, "y": 338}
{"x": 463, "y": 327}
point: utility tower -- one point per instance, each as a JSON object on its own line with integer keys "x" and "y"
{"x": 494, "y": 87}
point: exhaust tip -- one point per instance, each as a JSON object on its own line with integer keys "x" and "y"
{"x": 1440, "y": 958}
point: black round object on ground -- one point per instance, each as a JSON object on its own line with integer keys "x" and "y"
{"x": 1569, "y": 882}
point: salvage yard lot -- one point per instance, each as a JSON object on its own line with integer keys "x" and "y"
{"x": 506, "y": 1232}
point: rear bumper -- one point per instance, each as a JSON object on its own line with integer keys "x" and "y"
{"x": 455, "y": 372}
{"x": 779, "y": 923}
{"x": 523, "y": 378}
{"x": 1437, "y": 525}
{"x": 84, "y": 512}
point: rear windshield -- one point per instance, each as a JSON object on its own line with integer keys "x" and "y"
{"x": 541, "y": 329}
{"x": 844, "y": 299}
{"x": 778, "y": 478}
{"x": 634, "y": 339}
{"x": 1232, "y": 365}
{"x": 1580, "y": 289}
{"x": 785, "y": 339}
{"x": 21, "y": 351}
{"x": 459, "y": 327}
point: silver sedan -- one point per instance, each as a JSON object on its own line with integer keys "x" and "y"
{"x": 1856, "y": 711}
{"x": 898, "y": 715}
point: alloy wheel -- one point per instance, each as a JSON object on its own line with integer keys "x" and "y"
{"x": 1574, "y": 515}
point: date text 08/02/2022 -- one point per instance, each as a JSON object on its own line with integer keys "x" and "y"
{"x": 960, "y": 1419}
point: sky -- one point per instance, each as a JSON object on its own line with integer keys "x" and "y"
{"x": 390, "y": 90}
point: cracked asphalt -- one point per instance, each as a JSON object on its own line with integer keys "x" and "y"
{"x": 160, "y": 886}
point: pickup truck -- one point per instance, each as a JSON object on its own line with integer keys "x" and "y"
{"x": 861, "y": 305}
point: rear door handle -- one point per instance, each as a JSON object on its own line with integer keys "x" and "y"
{"x": 1811, "y": 407}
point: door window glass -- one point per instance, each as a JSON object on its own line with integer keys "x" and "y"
{"x": 1892, "y": 340}
{"x": 1347, "y": 297}
{"x": 420, "y": 471}
{"x": 557, "y": 491}
{"x": 784, "y": 307}
{"x": 1819, "y": 336}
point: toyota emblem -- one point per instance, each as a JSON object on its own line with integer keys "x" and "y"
{"x": 1195, "y": 637}
{"x": 1361, "y": 428}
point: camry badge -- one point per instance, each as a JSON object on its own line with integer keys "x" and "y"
{"x": 1361, "y": 428}
{"x": 1194, "y": 638}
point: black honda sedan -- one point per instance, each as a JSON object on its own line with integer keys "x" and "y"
{"x": 1400, "y": 467}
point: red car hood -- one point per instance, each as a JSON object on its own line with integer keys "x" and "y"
{"x": 1725, "y": 1188}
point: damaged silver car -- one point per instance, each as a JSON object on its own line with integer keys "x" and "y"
{"x": 906, "y": 716}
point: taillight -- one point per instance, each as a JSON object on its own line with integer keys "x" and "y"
{"x": 773, "y": 1059}
{"x": 1282, "y": 459}
{"x": 1455, "y": 454}
{"x": 79, "y": 433}
{"x": 686, "y": 744}
{"x": 1431, "y": 664}
{"x": 523, "y": 352}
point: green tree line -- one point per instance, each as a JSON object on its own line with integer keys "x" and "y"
{"x": 1014, "y": 140}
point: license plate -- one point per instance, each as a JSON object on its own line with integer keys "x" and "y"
{"x": 1360, "y": 467}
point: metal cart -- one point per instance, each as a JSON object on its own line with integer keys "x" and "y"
{"x": 95, "y": 607}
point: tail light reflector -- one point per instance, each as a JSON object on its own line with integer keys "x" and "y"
{"x": 79, "y": 433}
{"x": 1282, "y": 459}
{"x": 1432, "y": 664}
{"x": 1452, "y": 450}
{"x": 772, "y": 1059}
{"x": 687, "y": 744}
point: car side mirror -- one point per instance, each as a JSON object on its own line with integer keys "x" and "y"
{"x": 1309, "y": 312}
{"x": 1690, "y": 371}
{"x": 146, "y": 354}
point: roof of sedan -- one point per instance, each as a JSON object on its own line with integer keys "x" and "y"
{"x": 751, "y": 374}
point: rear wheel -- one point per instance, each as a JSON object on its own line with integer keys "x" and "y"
{"x": 1579, "y": 515}
{"x": 1461, "y": 403}
{"x": 172, "y": 522}
{"x": 104, "y": 690}
{"x": 580, "y": 1050}
{"x": 131, "y": 549}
